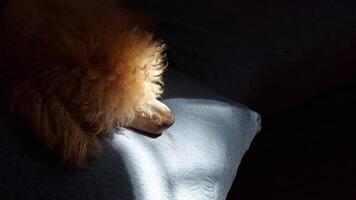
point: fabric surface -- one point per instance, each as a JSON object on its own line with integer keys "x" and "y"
{"x": 197, "y": 158}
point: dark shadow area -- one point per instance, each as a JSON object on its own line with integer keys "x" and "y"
{"x": 306, "y": 149}
{"x": 29, "y": 171}
{"x": 324, "y": 69}
{"x": 307, "y": 152}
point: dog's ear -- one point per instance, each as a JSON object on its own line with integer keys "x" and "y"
{"x": 53, "y": 125}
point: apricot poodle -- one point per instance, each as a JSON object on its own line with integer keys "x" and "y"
{"x": 78, "y": 69}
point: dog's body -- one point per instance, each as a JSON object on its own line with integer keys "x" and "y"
{"x": 77, "y": 69}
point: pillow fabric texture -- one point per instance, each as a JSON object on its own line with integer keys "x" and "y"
{"x": 197, "y": 158}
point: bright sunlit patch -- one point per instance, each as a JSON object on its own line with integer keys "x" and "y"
{"x": 142, "y": 167}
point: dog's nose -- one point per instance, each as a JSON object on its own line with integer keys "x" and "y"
{"x": 161, "y": 118}
{"x": 168, "y": 123}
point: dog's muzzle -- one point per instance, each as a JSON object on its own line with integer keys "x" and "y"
{"x": 159, "y": 119}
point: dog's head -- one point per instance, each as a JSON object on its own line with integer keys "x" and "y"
{"x": 79, "y": 68}
{"x": 96, "y": 58}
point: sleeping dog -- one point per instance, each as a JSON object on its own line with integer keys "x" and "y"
{"x": 78, "y": 69}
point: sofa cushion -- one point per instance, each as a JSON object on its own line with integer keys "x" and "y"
{"x": 197, "y": 158}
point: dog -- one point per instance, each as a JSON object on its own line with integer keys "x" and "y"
{"x": 78, "y": 69}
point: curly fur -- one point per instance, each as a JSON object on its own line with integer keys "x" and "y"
{"x": 77, "y": 69}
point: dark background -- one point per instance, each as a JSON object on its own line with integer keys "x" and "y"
{"x": 293, "y": 62}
